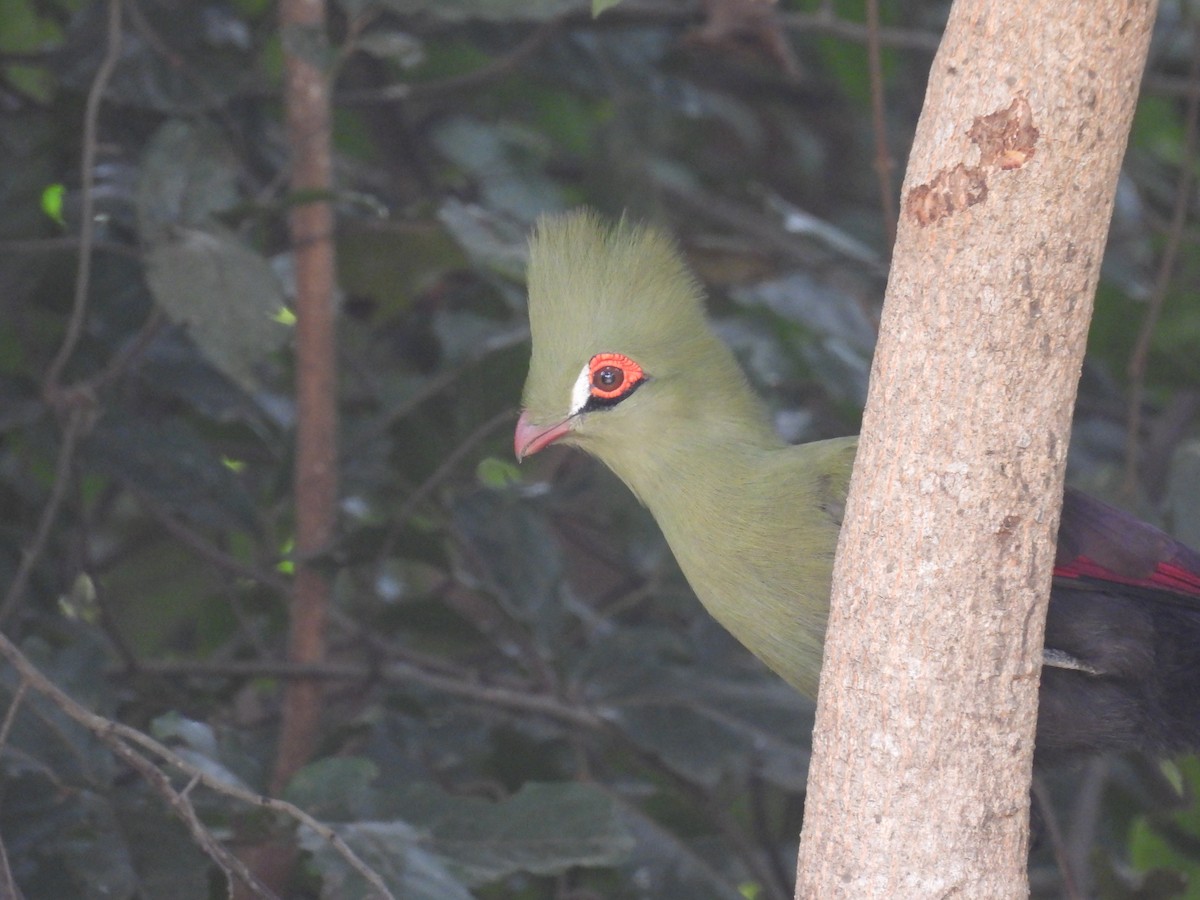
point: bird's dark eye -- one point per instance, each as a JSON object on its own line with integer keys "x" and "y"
{"x": 612, "y": 377}
{"x": 608, "y": 378}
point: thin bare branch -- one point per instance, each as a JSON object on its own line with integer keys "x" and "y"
{"x": 87, "y": 177}
{"x": 1162, "y": 281}
{"x": 883, "y": 156}
{"x": 515, "y": 699}
{"x": 484, "y": 76}
{"x": 825, "y": 22}
{"x": 181, "y": 805}
{"x": 8, "y": 885}
{"x": 439, "y": 475}
{"x": 1054, "y": 834}
{"x": 209, "y": 552}
{"x": 58, "y": 492}
{"x": 10, "y": 714}
{"x": 67, "y": 242}
{"x": 119, "y": 737}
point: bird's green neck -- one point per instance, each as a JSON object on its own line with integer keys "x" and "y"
{"x": 713, "y": 482}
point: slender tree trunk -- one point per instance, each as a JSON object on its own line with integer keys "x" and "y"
{"x": 923, "y": 746}
{"x": 307, "y": 99}
{"x": 308, "y": 108}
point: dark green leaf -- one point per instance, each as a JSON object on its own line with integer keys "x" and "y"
{"x": 168, "y": 461}
{"x": 513, "y": 554}
{"x": 458, "y": 10}
{"x": 188, "y": 176}
{"x": 338, "y": 788}
{"x": 706, "y": 727}
{"x": 226, "y": 296}
{"x": 393, "y": 850}
{"x": 543, "y": 829}
{"x": 167, "y": 861}
{"x": 663, "y": 865}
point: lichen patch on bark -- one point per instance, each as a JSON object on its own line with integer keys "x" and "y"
{"x": 1006, "y": 139}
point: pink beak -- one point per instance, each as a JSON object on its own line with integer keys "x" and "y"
{"x": 530, "y": 437}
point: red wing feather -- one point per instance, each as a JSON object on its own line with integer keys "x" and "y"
{"x": 1100, "y": 543}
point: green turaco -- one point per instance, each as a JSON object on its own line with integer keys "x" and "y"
{"x": 626, "y": 367}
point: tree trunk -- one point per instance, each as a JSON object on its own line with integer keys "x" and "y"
{"x": 923, "y": 746}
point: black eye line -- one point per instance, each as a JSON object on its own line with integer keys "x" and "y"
{"x": 594, "y": 402}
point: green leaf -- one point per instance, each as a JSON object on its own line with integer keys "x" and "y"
{"x": 80, "y": 601}
{"x": 544, "y": 829}
{"x": 392, "y": 849}
{"x": 52, "y": 202}
{"x": 488, "y": 239}
{"x": 173, "y": 726}
{"x": 197, "y": 743}
{"x": 497, "y": 474}
{"x": 188, "y": 176}
{"x": 45, "y": 741}
{"x": 444, "y": 844}
{"x": 512, "y": 554}
{"x": 225, "y": 294}
{"x": 599, "y": 6}
{"x": 26, "y": 30}
{"x": 400, "y": 47}
{"x": 665, "y": 865}
{"x": 167, "y": 860}
{"x": 94, "y": 852}
{"x": 337, "y": 787}
{"x": 507, "y": 162}
{"x": 170, "y": 462}
{"x": 704, "y": 727}
{"x": 1171, "y": 842}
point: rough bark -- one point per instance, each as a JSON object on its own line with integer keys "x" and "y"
{"x": 923, "y": 746}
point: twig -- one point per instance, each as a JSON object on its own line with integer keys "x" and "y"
{"x": 58, "y": 491}
{"x": 8, "y": 884}
{"x": 431, "y": 388}
{"x": 1170, "y": 85}
{"x": 1162, "y": 281}
{"x": 767, "y": 234}
{"x": 883, "y": 156}
{"x": 123, "y": 359}
{"x": 822, "y": 22}
{"x": 825, "y": 22}
{"x": 484, "y": 76}
{"x": 1085, "y": 817}
{"x": 87, "y": 177}
{"x": 203, "y": 548}
{"x": 440, "y": 474}
{"x": 181, "y": 804}
{"x": 76, "y": 403}
{"x": 489, "y": 696}
{"x": 109, "y": 731}
{"x": 761, "y": 831}
{"x": 67, "y": 242}
{"x": 10, "y": 715}
{"x": 1041, "y": 796}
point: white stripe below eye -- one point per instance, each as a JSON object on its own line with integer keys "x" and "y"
{"x": 582, "y": 389}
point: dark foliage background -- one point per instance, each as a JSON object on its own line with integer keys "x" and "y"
{"x": 523, "y": 698}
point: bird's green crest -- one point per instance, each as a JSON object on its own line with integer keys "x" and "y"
{"x": 596, "y": 287}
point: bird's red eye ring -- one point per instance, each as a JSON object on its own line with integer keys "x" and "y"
{"x": 613, "y": 375}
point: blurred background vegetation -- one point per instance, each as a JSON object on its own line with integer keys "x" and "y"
{"x": 523, "y": 699}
